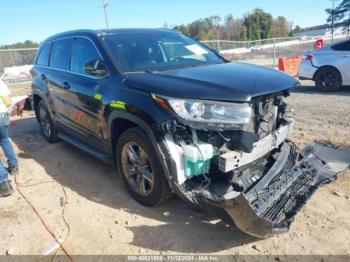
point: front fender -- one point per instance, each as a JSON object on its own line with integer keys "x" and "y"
{"x": 149, "y": 128}
{"x": 119, "y": 114}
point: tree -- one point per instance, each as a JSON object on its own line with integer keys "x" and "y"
{"x": 255, "y": 25}
{"x": 183, "y": 29}
{"x": 340, "y": 14}
{"x": 215, "y": 24}
{"x": 258, "y": 24}
{"x": 280, "y": 27}
{"x": 243, "y": 32}
{"x": 25, "y": 44}
{"x": 296, "y": 29}
{"x": 231, "y": 28}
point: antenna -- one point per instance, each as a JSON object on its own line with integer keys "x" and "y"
{"x": 104, "y": 6}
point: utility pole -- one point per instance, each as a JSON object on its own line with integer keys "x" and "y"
{"x": 104, "y": 6}
{"x": 349, "y": 23}
{"x": 333, "y": 20}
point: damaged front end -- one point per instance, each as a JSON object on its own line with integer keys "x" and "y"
{"x": 247, "y": 173}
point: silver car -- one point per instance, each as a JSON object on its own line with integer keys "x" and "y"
{"x": 329, "y": 67}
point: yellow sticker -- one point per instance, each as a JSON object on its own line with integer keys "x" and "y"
{"x": 98, "y": 96}
{"x": 117, "y": 104}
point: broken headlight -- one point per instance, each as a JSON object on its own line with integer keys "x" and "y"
{"x": 209, "y": 112}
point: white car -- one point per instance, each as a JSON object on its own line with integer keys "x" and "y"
{"x": 329, "y": 67}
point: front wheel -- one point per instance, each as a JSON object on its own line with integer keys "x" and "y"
{"x": 141, "y": 169}
{"x": 328, "y": 79}
{"x": 47, "y": 126}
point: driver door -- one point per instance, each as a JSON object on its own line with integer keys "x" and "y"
{"x": 83, "y": 96}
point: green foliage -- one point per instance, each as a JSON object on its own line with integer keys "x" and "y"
{"x": 255, "y": 25}
{"x": 340, "y": 14}
{"x": 25, "y": 44}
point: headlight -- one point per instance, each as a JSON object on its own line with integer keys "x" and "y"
{"x": 211, "y": 112}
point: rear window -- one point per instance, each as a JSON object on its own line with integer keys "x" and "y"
{"x": 44, "y": 54}
{"x": 344, "y": 46}
{"x": 60, "y": 54}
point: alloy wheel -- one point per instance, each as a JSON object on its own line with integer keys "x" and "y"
{"x": 327, "y": 79}
{"x": 45, "y": 121}
{"x": 137, "y": 169}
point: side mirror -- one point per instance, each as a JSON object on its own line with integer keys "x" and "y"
{"x": 96, "y": 67}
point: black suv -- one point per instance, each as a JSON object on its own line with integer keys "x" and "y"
{"x": 176, "y": 117}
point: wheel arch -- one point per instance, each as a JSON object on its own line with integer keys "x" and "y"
{"x": 35, "y": 100}
{"x": 161, "y": 149}
{"x": 36, "y": 97}
{"x": 120, "y": 121}
{"x": 327, "y": 66}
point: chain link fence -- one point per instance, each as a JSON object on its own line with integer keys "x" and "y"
{"x": 266, "y": 52}
{"x": 16, "y": 57}
{"x": 16, "y": 63}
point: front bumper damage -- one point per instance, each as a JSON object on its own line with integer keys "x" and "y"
{"x": 268, "y": 204}
{"x": 269, "y": 207}
{"x": 251, "y": 176}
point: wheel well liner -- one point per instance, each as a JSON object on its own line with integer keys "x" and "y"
{"x": 35, "y": 98}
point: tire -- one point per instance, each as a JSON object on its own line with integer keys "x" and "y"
{"x": 47, "y": 126}
{"x": 328, "y": 79}
{"x": 137, "y": 161}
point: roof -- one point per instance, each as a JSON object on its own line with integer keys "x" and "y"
{"x": 99, "y": 32}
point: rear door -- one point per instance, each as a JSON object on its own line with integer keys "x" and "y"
{"x": 57, "y": 74}
{"x": 40, "y": 72}
{"x": 84, "y": 95}
{"x": 342, "y": 60}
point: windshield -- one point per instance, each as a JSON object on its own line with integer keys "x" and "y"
{"x": 157, "y": 51}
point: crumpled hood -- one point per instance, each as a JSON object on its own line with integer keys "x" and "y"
{"x": 236, "y": 82}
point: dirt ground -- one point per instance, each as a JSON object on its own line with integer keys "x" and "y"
{"x": 103, "y": 219}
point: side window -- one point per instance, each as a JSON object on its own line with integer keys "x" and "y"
{"x": 344, "y": 46}
{"x": 83, "y": 53}
{"x": 44, "y": 54}
{"x": 60, "y": 54}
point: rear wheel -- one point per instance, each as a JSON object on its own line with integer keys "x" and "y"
{"x": 47, "y": 126}
{"x": 141, "y": 169}
{"x": 328, "y": 79}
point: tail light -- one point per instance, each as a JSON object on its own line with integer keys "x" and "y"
{"x": 307, "y": 57}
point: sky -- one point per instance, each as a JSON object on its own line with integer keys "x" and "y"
{"x": 38, "y": 19}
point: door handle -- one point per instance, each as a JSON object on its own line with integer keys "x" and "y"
{"x": 66, "y": 85}
{"x": 43, "y": 77}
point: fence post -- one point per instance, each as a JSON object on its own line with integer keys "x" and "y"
{"x": 12, "y": 59}
{"x": 218, "y": 44}
{"x": 274, "y": 52}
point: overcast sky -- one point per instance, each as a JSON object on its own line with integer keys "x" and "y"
{"x": 38, "y": 19}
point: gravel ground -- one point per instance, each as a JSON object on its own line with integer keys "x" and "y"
{"x": 103, "y": 219}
